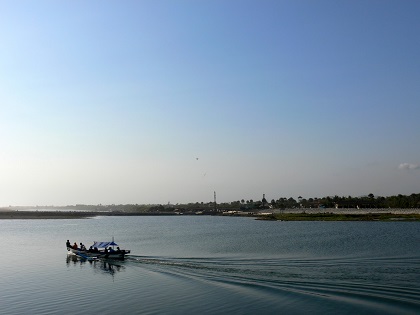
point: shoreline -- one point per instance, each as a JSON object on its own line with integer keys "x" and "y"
{"x": 43, "y": 215}
{"x": 31, "y": 215}
{"x": 285, "y": 215}
{"x": 384, "y": 217}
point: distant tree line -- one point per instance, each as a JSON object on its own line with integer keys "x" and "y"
{"x": 368, "y": 201}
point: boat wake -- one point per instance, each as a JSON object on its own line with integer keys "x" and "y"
{"x": 348, "y": 282}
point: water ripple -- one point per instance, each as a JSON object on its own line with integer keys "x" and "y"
{"x": 349, "y": 282}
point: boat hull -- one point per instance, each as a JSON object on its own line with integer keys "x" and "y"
{"x": 93, "y": 255}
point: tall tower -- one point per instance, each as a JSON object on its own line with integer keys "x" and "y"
{"x": 215, "y": 204}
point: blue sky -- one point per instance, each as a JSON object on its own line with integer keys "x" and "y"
{"x": 114, "y": 101}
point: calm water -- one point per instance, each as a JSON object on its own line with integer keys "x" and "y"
{"x": 212, "y": 265}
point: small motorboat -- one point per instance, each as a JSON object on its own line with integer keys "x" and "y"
{"x": 99, "y": 250}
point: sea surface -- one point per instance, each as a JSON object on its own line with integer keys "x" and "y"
{"x": 211, "y": 265}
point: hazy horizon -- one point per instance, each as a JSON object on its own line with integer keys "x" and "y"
{"x": 150, "y": 102}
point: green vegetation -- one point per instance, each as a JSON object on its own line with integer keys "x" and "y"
{"x": 341, "y": 217}
{"x": 368, "y": 201}
{"x": 365, "y": 202}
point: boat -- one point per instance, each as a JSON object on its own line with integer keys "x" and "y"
{"x": 104, "y": 250}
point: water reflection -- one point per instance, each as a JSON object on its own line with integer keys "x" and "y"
{"x": 99, "y": 266}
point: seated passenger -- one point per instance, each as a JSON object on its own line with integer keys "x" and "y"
{"x": 75, "y": 245}
{"x": 110, "y": 249}
{"x": 68, "y": 244}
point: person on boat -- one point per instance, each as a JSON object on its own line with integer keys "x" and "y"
{"x": 68, "y": 244}
{"x": 111, "y": 250}
{"x": 95, "y": 250}
{"x": 82, "y": 247}
{"x": 118, "y": 250}
{"x": 75, "y": 245}
{"x": 90, "y": 250}
{"x": 106, "y": 250}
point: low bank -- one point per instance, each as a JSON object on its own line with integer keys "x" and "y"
{"x": 341, "y": 217}
{"x": 400, "y": 215}
{"x": 33, "y": 215}
{"x": 29, "y": 215}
